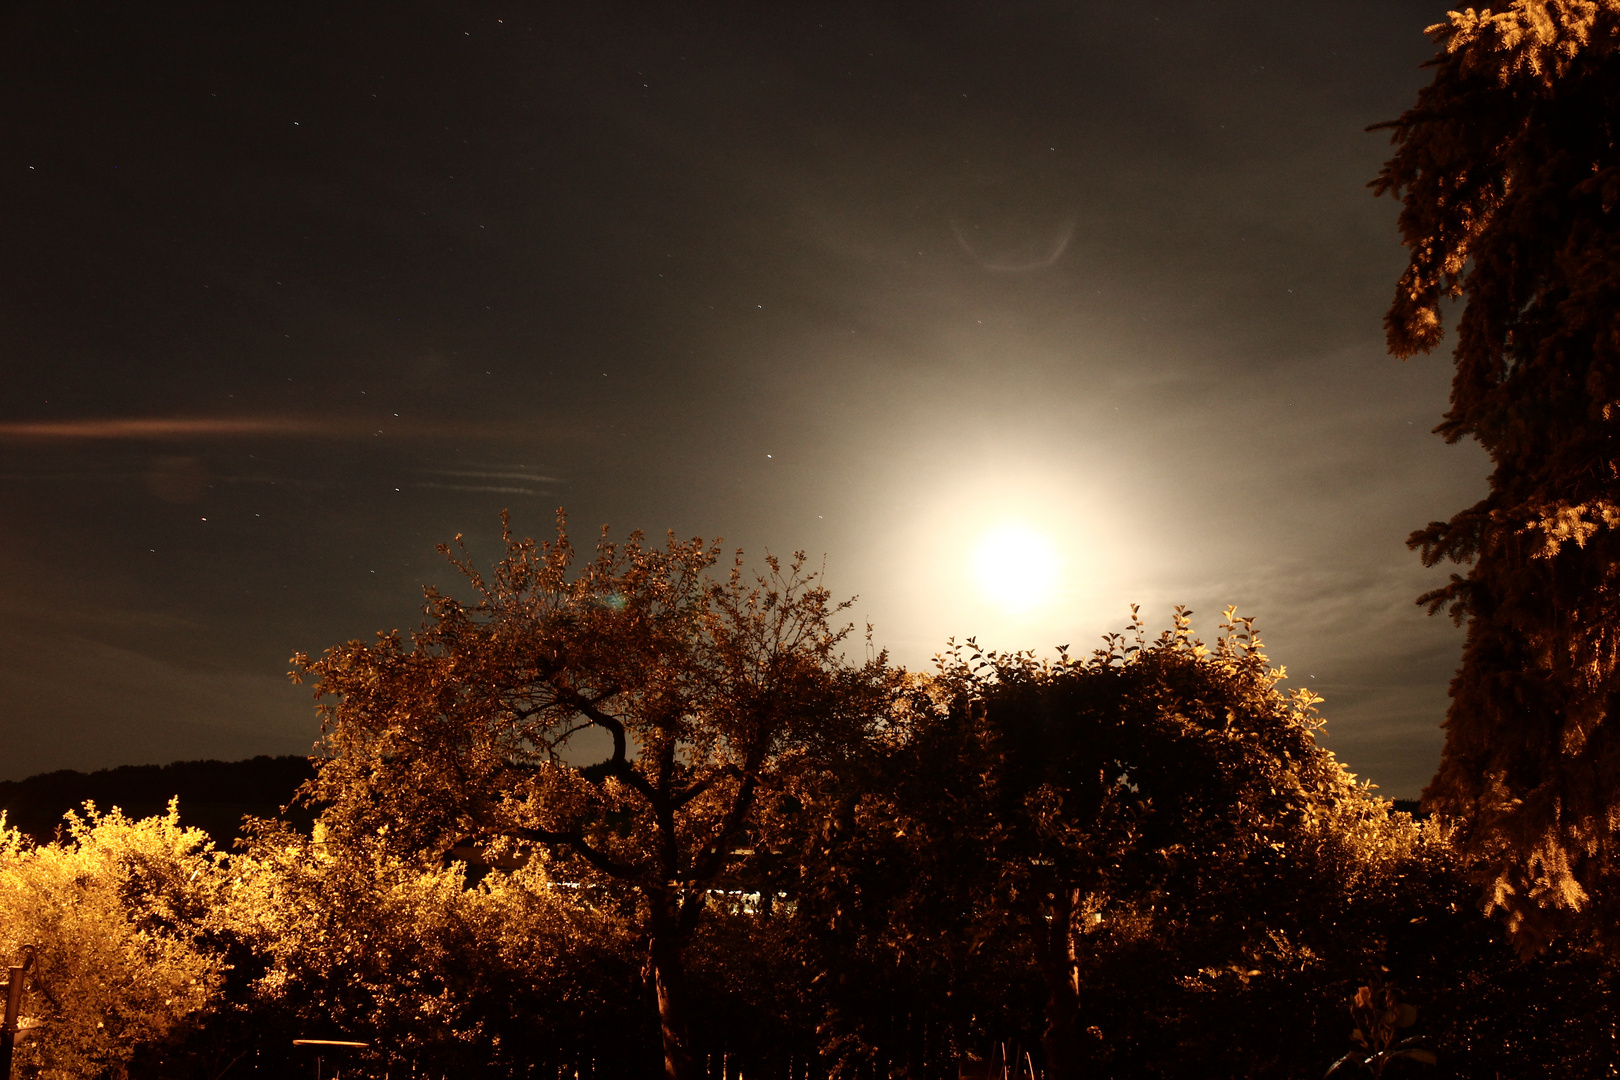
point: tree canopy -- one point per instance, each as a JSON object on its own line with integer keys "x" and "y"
{"x": 1144, "y": 845}
{"x": 120, "y": 913}
{"x": 1509, "y": 173}
{"x": 713, "y": 698}
{"x": 1158, "y": 798}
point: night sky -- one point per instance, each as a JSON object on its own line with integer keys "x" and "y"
{"x": 290, "y": 293}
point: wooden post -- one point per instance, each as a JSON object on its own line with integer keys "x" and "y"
{"x": 8, "y": 1035}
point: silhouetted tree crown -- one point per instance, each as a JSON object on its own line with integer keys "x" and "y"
{"x": 1159, "y": 797}
{"x": 1509, "y": 174}
{"x": 713, "y": 699}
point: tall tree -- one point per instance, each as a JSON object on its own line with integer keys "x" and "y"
{"x": 709, "y": 700}
{"x": 1149, "y": 798}
{"x": 1148, "y": 784}
{"x": 1509, "y": 174}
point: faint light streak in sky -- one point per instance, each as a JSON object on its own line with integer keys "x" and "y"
{"x": 478, "y": 474}
{"x": 474, "y": 487}
{"x": 1037, "y": 249}
{"x": 160, "y": 428}
{"x": 157, "y": 428}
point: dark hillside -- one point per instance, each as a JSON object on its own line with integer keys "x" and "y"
{"x": 214, "y": 795}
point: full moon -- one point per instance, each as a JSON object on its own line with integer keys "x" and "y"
{"x": 1015, "y": 566}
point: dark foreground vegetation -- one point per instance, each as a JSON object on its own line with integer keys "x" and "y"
{"x": 162, "y": 960}
{"x": 214, "y": 795}
{"x": 1133, "y": 863}
{"x": 625, "y": 819}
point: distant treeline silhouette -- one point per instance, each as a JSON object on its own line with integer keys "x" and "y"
{"x": 214, "y": 795}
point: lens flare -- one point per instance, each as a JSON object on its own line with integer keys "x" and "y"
{"x": 1015, "y": 566}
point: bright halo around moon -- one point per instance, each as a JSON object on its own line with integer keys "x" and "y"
{"x": 1016, "y": 566}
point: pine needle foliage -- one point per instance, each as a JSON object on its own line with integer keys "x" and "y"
{"x": 1509, "y": 174}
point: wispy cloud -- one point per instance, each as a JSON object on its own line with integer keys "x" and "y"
{"x": 162, "y": 428}
{"x": 480, "y": 474}
{"x": 168, "y": 428}
{"x": 477, "y": 487}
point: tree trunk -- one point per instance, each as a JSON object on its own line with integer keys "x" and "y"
{"x": 669, "y": 987}
{"x": 1054, "y": 955}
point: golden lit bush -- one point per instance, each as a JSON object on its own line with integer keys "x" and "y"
{"x": 352, "y": 940}
{"x": 117, "y": 910}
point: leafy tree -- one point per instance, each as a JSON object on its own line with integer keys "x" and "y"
{"x": 884, "y": 873}
{"x": 353, "y": 941}
{"x": 1143, "y": 789}
{"x": 1508, "y": 169}
{"x": 119, "y": 912}
{"x": 715, "y": 699}
{"x": 1152, "y": 823}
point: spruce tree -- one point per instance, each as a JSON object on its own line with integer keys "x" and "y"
{"x": 1509, "y": 176}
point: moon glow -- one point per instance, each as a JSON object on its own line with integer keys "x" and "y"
{"x": 1015, "y": 566}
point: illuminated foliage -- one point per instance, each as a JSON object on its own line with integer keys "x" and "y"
{"x": 118, "y": 912}
{"x": 1144, "y": 851}
{"x": 714, "y": 699}
{"x": 1133, "y": 789}
{"x": 1158, "y": 801}
{"x": 1509, "y": 172}
{"x": 353, "y": 941}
